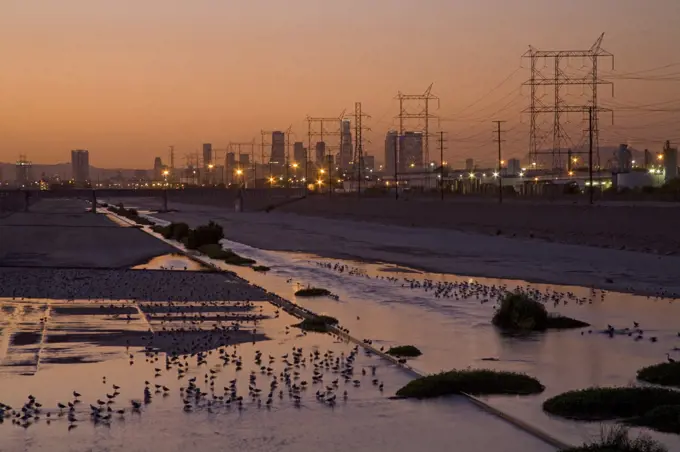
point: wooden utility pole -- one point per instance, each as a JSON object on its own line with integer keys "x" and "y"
{"x": 500, "y": 161}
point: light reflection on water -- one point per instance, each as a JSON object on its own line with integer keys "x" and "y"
{"x": 458, "y": 334}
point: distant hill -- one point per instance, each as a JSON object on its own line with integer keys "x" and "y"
{"x": 63, "y": 171}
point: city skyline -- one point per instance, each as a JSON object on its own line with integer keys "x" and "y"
{"x": 145, "y": 85}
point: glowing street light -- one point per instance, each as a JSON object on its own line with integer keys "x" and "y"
{"x": 211, "y": 166}
{"x": 659, "y": 157}
{"x": 322, "y": 170}
{"x": 495, "y": 174}
{"x": 239, "y": 172}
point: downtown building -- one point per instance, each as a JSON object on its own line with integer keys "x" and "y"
{"x": 80, "y": 166}
{"x": 390, "y": 151}
{"x": 344, "y": 158}
{"x": 411, "y": 151}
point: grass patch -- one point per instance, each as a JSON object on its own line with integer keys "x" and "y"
{"x": 519, "y": 312}
{"x": 617, "y": 439}
{"x": 130, "y": 214}
{"x": 476, "y": 382}
{"x": 312, "y": 292}
{"x": 261, "y": 268}
{"x": 665, "y": 418}
{"x": 319, "y": 323}
{"x": 404, "y": 350}
{"x": 204, "y": 235}
{"x": 595, "y": 404}
{"x": 215, "y": 251}
{"x": 664, "y": 374}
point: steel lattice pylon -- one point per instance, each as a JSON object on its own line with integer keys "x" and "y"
{"x": 557, "y": 78}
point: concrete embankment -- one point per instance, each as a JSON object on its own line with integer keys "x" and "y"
{"x": 646, "y": 227}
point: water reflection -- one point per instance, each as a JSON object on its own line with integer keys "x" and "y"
{"x": 456, "y": 332}
{"x": 171, "y": 262}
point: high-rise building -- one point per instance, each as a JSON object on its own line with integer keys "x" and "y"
{"x": 390, "y": 151}
{"x": 229, "y": 167}
{"x": 244, "y": 160}
{"x": 278, "y": 152}
{"x": 320, "y": 153}
{"x": 207, "y": 155}
{"x": 23, "y": 171}
{"x": 411, "y": 151}
{"x": 157, "y": 169}
{"x": 469, "y": 164}
{"x": 369, "y": 163}
{"x": 514, "y": 167}
{"x": 80, "y": 165}
{"x": 345, "y": 161}
{"x": 299, "y": 153}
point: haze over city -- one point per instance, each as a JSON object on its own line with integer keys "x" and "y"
{"x": 126, "y": 79}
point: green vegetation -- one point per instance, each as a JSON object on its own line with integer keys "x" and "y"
{"x": 312, "y": 292}
{"x": 204, "y": 235}
{"x": 215, "y": 251}
{"x": 476, "y": 382}
{"x": 665, "y": 418}
{"x": 130, "y": 214}
{"x": 595, "y": 404}
{"x": 261, "y": 268}
{"x": 319, "y": 323}
{"x": 618, "y": 440}
{"x": 404, "y": 350}
{"x": 664, "y": 374}
{"x": 519, "y": 312}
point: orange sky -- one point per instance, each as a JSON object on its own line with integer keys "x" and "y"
{"x": 125, "y": 78}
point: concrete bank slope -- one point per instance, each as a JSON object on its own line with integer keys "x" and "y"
{"x": 646, "y": 227}
{"x": 60, "y": 233}
{"x": 445, "y": 251}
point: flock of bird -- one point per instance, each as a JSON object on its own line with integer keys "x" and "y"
{"x": 205, "y": 384}
{"x": 484, "y": 293}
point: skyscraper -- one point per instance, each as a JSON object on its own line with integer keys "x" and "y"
{"x": 411, "y": 151}
{"x": 278, "y": 153}
{"x": 80, "y": 165}
{"x": 320, "y": 153}
{"x": 157, "y": 169}
{"x": 207, "y": 155}
{"x": 369, "y": 163}
{"x": 390, "y": 151}
{"x": 346, "y": 145}
{"x": 299, "y": 153}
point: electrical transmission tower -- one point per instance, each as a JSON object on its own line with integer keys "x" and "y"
{"x": 323, "y": 128}
{"x": 554, "y": 74}
{"x": 359, "y": 129}
{"x": 422, "y": 116}
{"x": 249, "y": 147}
{"x": 265, "y": 142}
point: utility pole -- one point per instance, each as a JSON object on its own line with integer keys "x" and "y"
{"x": 172, "y": 162}
{"x": 441, "y": 163}
{"x": 590, "y": 151}
{"x": 396, "y": 174}
{"x": 500, "y": 161}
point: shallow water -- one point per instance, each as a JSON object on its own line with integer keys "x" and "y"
{"x": 367, "y": 420}
{"x": 171, "y": 262}
{"x": 456, "y": 333}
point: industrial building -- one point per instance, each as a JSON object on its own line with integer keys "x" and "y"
{"x": 278, "y": 150}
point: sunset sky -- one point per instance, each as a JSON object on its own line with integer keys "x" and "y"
{"x": 127, "y": 78}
